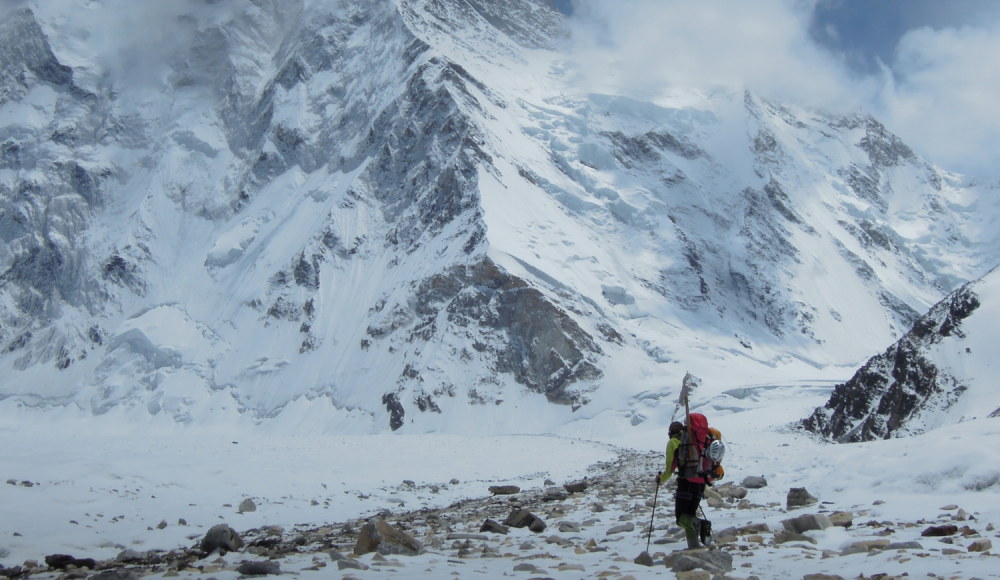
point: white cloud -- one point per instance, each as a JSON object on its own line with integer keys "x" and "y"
{"x": 939, "y": 95}
{"x": 645, "y": 46}
{"x": 943, "y": 96}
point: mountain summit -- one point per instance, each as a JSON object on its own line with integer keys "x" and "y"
{"x": 405, "y": 215}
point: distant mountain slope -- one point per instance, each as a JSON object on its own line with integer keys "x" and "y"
{"x": 405, "y": 215}
{"x": 944, "y": 371}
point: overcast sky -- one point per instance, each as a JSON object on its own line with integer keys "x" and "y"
{"x": 928, "y": 69}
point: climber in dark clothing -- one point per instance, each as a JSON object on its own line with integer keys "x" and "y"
{"x": 689, "y": 491}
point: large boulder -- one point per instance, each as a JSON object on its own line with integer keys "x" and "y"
{"x": 524, "y": 519}
{"x": 377, "y": 535}
{"x": 221, "y": 537}
{"x": 714, "y": 561}
{"x": 807, "y": 522}
{"x": 799, "y": 497}
{"x": 754, "y": 482}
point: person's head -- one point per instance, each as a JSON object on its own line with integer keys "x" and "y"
{"x": 676, "y": 428}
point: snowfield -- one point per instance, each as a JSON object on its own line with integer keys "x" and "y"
{"x": 355, "y": 260}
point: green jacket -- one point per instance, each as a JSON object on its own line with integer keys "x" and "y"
{"x": 672, "y": 446}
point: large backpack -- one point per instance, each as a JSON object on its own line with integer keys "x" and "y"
{"x": 693, "y": 461}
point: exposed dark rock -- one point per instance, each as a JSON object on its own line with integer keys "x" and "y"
{"x": 940, "y": 531}
{"x": 524, "y": 519}
{"x": 395, "y": 409}
{"x": 504, "y": 489}
{"x": 60, "y": 561}
{"x": 377, "y": 535}
{"x": 221, "y": 537}
{"x": 576, "y": 486}
{"x": 493, "y": 527}
{"x": 807, "y": 522}
{"x": 259, "y": 568}
{"x": 247, "y": 505}
{"x": 799, "y": 497}
{"x": 896, "y": 388}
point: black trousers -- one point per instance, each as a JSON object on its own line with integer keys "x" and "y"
{"x": 688, "y": 498}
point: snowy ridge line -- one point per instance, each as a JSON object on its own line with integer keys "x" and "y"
{"x": 455, "y": 240}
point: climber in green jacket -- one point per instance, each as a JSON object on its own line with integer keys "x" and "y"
{"x": 689, "y": 493}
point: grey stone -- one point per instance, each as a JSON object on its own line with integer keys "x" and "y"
{"x": 524, "y": 567}
{"x": 629, "y": 527}
{"x": 336, "y": 555}
{"x": 454, "y": 481}
{"x": 520, "y": 518}
{"x": 129, "y": 555}
{"x": 807, "y": 522}
{"x": 822, "y": 577}
{"x": 799, "y": 497}
{"x": 494, "y": 527}
{"x": 754, "y": 482}
{"x": 734, "y": 492}
{"x": 569, "y": 528}
{"x": 555, "y": 494}
{"x": 116, "y": 574}
{"x": 504, "y": 489}
{"x": 377, "y": 535}
{"x": 644, "y": 559}
{"x": 221, "y": 537}
{"x": 904, "y": 546}
{"x": 576, "y": 487}
{"x": 259, "y": 568}
{"x": 348, "y": 564}
{"x": 981, "y": 545}
{"x": 163, "y": 524}
{"x": 714, "y": 561}
{"x": 785, "y": 536}
{"x": 247, "y": 505}
{"x": 854, "y": 550}
{"x": 842, "y": 519}
{"x": 461, "y": 536}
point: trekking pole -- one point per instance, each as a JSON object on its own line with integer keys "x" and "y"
{"x": 653, "y": 515}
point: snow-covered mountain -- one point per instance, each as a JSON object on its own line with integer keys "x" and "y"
{"x": 382, "y": 215}
{"x": 941, "y": 372}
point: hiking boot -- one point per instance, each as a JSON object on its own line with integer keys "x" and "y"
{"x": 692, "y": 534}
{"x": 705, "y": 531}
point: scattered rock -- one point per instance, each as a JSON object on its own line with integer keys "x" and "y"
{"x": 799, "y": 497}
{"x": 939, "y": 531}
{"x": 524, "y": 567}
{"x": 247, "y": 505}
{"x": 878, "y": 502}
{"x": 459, "y": 536}
{"x": 504, "y": 489}
{"x": 386, "y": 539}
{"x": 182, "y": 522}
{"x": 904, "y": 546}
{"x": 785, "y": 536}
{"x": 548, "y": 482}
{"x": 524, "y": 519}
{"x": 754, "y": 482}
{"x": 554, "y": 494}
{"x": 822, "y": 577}
{"x": 694, "y": 575}
{"x": 61, "y": 561}
{"x": 842, "y": 519}
{"x": 116, "y": 574}
{"x": 644, "y": 559}
{"x": 598, "y": 508}
{"x": 163, "y": 524}
{"x": 493, "y": 527}
{"x": 629, "y": 527}
{"x": 335, "y": 555}
{"x": 715, "y": 562}
{"x": 576, "y": 487}
{"x": 569, "y": 528}
{"x": 949, "y": 507}
{"x": 454, "y": 481}
{"x": 259, "y": 568}
{"x": 348, "y": 564}
{"x": 734, "y": 492}
{"x": 869, "y": 545}
{"x": 981, "y": 545}
{"x": 807, "y": 522}
{"x": 221, "y": 537}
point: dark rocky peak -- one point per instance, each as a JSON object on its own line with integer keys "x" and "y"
{"x": 895, "y": 393}
{"x": 883, "y": 148}
{"x": 26, "y": 58}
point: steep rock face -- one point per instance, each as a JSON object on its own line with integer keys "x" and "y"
{"x": 916, "y": 383}
{"x": 402, "y": 215}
